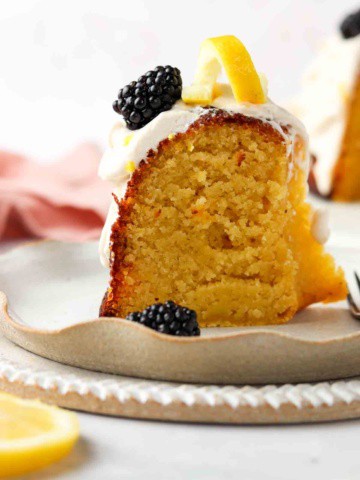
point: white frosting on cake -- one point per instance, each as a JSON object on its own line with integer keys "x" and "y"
{"x": 132, "y": 146}
{"x": 320, "y": 225}
{"x": 128, "y": 148}
{"x": 322, "y": 105}
{"x": 104, "y": 243}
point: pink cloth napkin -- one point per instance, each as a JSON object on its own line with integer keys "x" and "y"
{"x": 64, "y": 200}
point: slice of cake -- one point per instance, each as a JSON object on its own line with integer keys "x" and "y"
{"x": 329, "y": 105}
{"x": 209, "y": 202}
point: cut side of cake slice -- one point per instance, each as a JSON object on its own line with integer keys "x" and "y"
{"x": 211, "y": 221}
{"x": 214, "y": 216}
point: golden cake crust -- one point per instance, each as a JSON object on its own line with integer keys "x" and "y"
{"x": 118, "y": 266}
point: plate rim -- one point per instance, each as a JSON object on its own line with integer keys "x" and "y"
{"x": 236, "y": 404}
{"x": 5, "y": 318}
{"x": 115, "y": 354}
{"x": 5, "y": 315}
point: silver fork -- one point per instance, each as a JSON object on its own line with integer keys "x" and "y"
{"x": 354, "y": 309}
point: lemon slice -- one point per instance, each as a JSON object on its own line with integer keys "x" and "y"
{"x": 229, "y": 53}
{"x": 33, "y": 435}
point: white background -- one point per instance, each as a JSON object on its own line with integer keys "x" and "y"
{"x": 63, "y": 61}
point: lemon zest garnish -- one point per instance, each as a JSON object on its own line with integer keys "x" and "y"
{"x": 229, "y": 53}
{"x": 197, "y": 94}
{"x": 218, "y": 90}
{"x": 127, "y": 139}
{"x": 264, "y": 83}
{"x": 130, "y": 166}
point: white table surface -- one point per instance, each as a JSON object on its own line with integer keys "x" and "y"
{"x": 115, "y": 448}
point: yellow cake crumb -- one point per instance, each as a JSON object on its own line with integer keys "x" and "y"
{"x": 221, "y": 230}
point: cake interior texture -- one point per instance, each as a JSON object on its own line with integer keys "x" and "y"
{"x": 215, "y": 220}
{"x": 347, "y": 171}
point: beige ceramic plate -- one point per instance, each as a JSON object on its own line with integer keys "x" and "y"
{"x": 54, "y": 290}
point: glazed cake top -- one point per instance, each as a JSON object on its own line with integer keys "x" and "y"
{"x": 127, "y": 148}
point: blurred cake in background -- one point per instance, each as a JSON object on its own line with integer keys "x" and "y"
{"x": 329, "y": 106}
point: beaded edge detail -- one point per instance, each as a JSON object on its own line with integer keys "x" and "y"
{"x": 125, "y": 389}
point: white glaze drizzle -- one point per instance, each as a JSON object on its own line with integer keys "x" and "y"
{"x": 104, "y": 243}
{"x": 132, "y": 146}
{"x": 320, "y": 225}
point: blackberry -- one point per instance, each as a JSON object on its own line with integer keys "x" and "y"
{"x": 168, "y": 318}
{"x": 350, "y": 27}
{"x": 153, "y": 93}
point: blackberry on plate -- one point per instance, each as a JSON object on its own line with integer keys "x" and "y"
{"x": 168, "y": 318}
{"x": 153, "y": 93}
{"x": 350, "y": 27}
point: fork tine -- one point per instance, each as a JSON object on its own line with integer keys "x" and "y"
{"x": 357, "y": 279}
{"x": 351, "y": 301}
{"x": 353, "y": 307}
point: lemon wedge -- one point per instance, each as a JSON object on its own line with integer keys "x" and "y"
{"x": 33, "y": 435}
{"x": 229, "y": 53}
